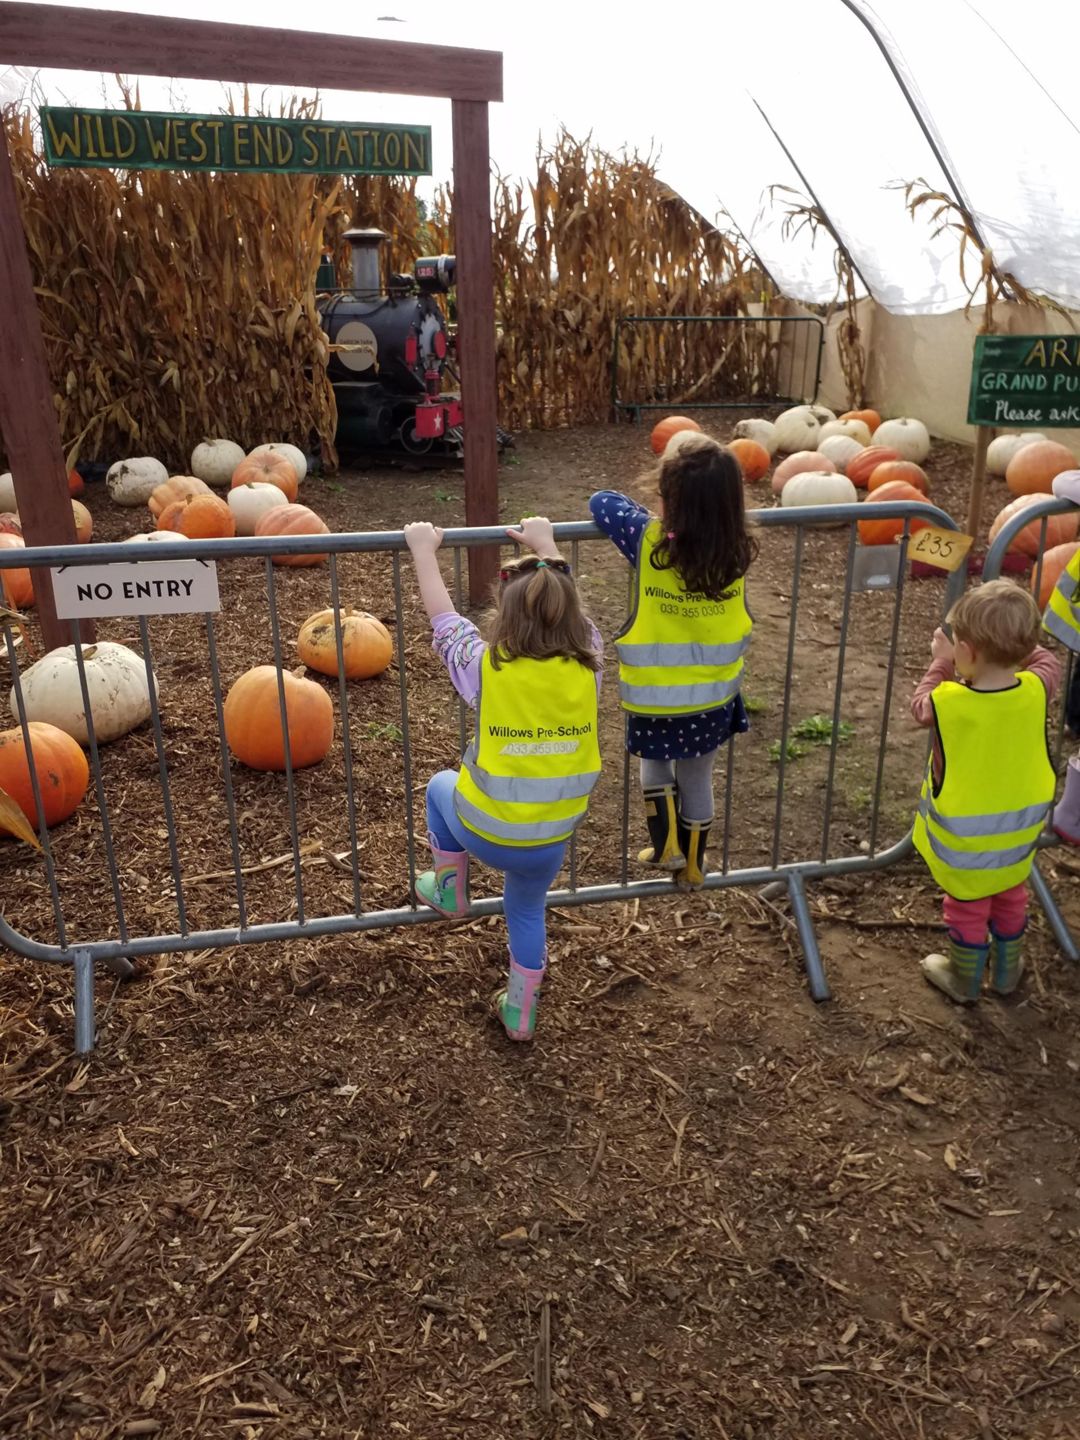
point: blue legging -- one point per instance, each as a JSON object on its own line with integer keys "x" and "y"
{"x": 529, "y": 869}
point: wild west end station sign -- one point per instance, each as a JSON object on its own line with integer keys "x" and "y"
{"x": 1025, "y": 380}
{"x": 146, "y": 140}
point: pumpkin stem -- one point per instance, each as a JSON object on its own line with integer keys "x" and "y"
{"x": 89, "y": 651}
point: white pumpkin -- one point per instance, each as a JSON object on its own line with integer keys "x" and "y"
{"x": 292, "y": 453}
{"x": 214, "y": 461}
{"x": 1002, "y": 450}
{"x": 250, "y": 502}
{"x": 7, "y": 493}
{"x": 116, "y": 682}
{"x": 132, "y": 482}
{"x": 840, "y": 449}
{"x": 853, "y": 429}
{"x": 817, "y": 489}
{"x": 150, "y": 536}
{"x": 797, "y": 429}
{"x": 763, "y": 432}
{"x": 909, "y": 438}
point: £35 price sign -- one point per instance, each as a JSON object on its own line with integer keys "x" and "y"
{"x": 944, "y": 549}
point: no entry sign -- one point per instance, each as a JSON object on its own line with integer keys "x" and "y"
{"x": 156, "y": 587}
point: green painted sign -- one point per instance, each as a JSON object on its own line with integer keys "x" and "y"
{"x": 146, "y": 140}
{"x": 1029, "y": 380}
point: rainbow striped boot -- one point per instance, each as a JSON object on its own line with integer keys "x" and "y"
{"x": 446, "y": 888}
{"x": 516, "y": 1005}
{"x": 958, "y": 974}
{"x": 1008, "y": 966}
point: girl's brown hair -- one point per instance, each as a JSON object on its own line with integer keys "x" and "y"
{"x": 707, "y": 540}
{"x": 538, "y": 615}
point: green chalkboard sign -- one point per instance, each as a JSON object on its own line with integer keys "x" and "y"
{"x": 146, "y": 140}
{"x": 1029, "y": 380}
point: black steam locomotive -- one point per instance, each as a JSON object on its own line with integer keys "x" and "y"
{"x": 391, "y": 353}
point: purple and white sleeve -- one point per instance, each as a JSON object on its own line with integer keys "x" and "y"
{"x": 458, "y": 644}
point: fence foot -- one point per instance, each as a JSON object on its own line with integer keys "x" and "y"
{"x": 1062, "y": 933}
{"x": 815, "y": 971}
{"x": 84, "y": 1002}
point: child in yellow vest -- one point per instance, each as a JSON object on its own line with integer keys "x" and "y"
{"x": 989, "y": 783}
{"x": 525, "y": 780}
{"x": 1062, "y": 619}
{"x": 681, "y": 651}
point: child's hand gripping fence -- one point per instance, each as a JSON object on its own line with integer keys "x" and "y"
{"x": 179, "y": 848}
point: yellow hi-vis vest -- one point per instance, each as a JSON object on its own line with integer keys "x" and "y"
{"x": 1062, "y": 615}
{"x": 978, "y": 833}
{"x": 679, "y": 653}
{"x": 527, "y": 774}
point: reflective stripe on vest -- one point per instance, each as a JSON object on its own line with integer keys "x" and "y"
{"x": 979, "y": 833}
{"x": 526, "y": 777}
{"x": 1062, "y": 617}
{"x": 679, "y": 653}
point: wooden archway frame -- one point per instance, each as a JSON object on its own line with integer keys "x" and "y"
{"x": 59, "y": 36}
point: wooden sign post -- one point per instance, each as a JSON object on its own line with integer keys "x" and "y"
{"x": 61, "y": 37}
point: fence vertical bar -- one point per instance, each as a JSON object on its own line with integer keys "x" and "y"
{"x": 1059, "y": 744}
{"x": 410, "y": 840}
{"x": 346, "y": 740}
{"x": 1062, "y": 933}
{"x": 459, "y": 592}
{"x": 889, "y": 677}
{"x": 83, "y": 965}
{"x": 729, "y": 786}
{"x": 283, "y": 710}
{"x": 99, "y": 784}
{"x": 796, "y": 576}
{"x": 800, "y": 910}
{"x": 35, "y": 788}
{"x": 573, "y": 833}
{"x": 163, "y": 777}
{"x": 834, "y": 739}
{"x": 226, "y": 772}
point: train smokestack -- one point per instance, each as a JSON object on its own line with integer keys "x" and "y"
{"x": 365, "y": 245}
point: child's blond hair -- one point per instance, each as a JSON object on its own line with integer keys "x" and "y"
{"x": 999, "y": 621}
{"x": 538, "y": 615}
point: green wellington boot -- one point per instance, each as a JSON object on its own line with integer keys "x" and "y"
{"x": 1007, "y": 969}
{"x": 693, "y": 838}
{"x": 959, "y": 973}
{"x": 663, "y": 830}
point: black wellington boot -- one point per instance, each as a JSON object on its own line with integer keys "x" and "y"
{"x": 663, "y": 830}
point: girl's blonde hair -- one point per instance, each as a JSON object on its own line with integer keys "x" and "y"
{"x": 538, "y": 615}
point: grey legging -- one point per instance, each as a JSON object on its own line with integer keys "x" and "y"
{"x": 694, "y": 781}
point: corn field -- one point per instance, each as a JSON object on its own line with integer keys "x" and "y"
{"x": 179, "y": 306}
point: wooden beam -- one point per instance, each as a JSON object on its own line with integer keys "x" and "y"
{"x": 65, "y": 38}
{"x": 27, "y": 414}
{"x": 476, "y": 332}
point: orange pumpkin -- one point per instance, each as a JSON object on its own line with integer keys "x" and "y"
{"x": 76, "y": 485}
{"x": 366, "y": 647}
{"x": 177, "y": 487}
{"x": 84, "y": 523}
{"x": 866, "y": 462}
{"x": 270, "y": 468}
{"x": 293, "y": 520}
{"x": 664, "y": 429}
{"x": 884, "y": 532}
{"x": 870, "y": 418}
{"x": 17, "y": 584}
{"x": 1060, "y": 529}
{"x": 1053, "y": 564}
{"x": 199, "y": 517}
{"x": 905, "y": 470}
{"x": 253, "y": 727}
{"x": 754, "y": 460}
{"x": 1032, "y": 469}
{"x": 62, "y": 772}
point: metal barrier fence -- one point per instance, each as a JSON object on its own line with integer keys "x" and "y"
{"x": 1039, "y": 514}
{"x": 778, "y": 359}
{"x": 825, "y": 559}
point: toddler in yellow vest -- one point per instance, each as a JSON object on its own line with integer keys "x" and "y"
{"x": 989, "y": 783}
{"x": 525, "y": 779}
{"x": 681, "y": 651}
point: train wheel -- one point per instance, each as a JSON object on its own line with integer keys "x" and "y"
{"x": 412, "y": 443}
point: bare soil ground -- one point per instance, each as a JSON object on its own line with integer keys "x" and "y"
{"x": 310, "y": 1190}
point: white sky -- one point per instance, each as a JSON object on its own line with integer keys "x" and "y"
{"x": 678, "y": 84}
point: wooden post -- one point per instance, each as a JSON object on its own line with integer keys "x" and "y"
{"x": 27, "y": 414}
{"x": 476, "y": 332}
{"x": 983, "y": 435}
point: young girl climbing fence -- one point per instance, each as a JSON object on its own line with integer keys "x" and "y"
{"x": 681, "y": 651}
{"x": 525, "y": 780}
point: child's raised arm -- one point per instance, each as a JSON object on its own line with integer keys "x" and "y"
{"x": 423, "y": 541}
